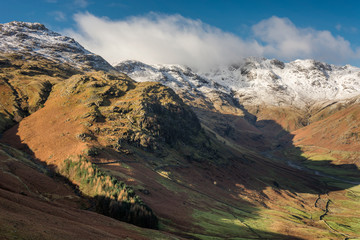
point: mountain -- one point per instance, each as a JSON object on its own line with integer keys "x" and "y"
{"x": 32, "y": 60}
{"x": 251, "y": 151}
{"x": 35, "y": 40}
{"x": 303, "y": 113}
{"x": 257, "y": 81}
{"x": 266, "y": 93}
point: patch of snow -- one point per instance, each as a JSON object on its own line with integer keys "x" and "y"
{"x": 257, "y": 80}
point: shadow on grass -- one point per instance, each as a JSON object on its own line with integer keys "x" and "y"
{"x": 268, "y": 139}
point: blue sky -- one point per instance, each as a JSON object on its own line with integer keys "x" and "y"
{"x": 325, "y": 30}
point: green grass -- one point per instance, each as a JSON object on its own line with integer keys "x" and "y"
{"x": 318, "y": 157}
{"x": 171, "y": 186}
{"x": 354, "y": 195}
{"x": 345, "y": 225}
{"x": 298, "y": 213}
{"x": 217, "y": 223}
{"x": 343, "y": 215}
{"x": 333, "y": 170}
{"x": 205, "y": 237}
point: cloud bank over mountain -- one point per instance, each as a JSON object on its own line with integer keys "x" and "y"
{"x": 157, "y": 38}
{"x": 282, "y": 39}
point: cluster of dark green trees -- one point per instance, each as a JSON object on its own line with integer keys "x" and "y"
{"x": 113, "y": 198}
{"x": 134, "y": 213}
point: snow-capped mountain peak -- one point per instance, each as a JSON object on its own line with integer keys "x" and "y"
{"x": 258, "y": 80}
{"x": 35, "y": 39}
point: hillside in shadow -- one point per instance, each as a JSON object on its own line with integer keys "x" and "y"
{"x": 270, "y": 140}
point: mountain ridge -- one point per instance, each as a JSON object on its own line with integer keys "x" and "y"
{"x": 259, "y": 80}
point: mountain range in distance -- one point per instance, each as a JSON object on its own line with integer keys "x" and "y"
{"x": 261, "y": 149}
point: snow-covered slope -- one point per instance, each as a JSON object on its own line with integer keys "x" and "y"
{"x": 258, "y": 81}
{"x": 177, "y": 77}
{"x": 35, "y": 39}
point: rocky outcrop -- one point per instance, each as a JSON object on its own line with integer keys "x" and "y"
{"x": 121, "y": 111}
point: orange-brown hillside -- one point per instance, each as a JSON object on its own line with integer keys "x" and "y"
{"x": 35, "y": 204}
{"x": 337, "y": 135}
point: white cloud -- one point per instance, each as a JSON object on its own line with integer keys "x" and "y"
{"x": 347, "y": 29}
{"x": 174, "y": 39}
{"x": 81, "y": 3}
{"x": 353, "y": 29}
{"x": 338, "y": 27}
{"x": 161, "y": 39}
{"x": 58, "y": 15}
{"x": 282, "y": 39}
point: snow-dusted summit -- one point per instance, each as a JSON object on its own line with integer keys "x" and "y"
{"x": 35, "y": 39}
{"x": 257, "y": 80}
